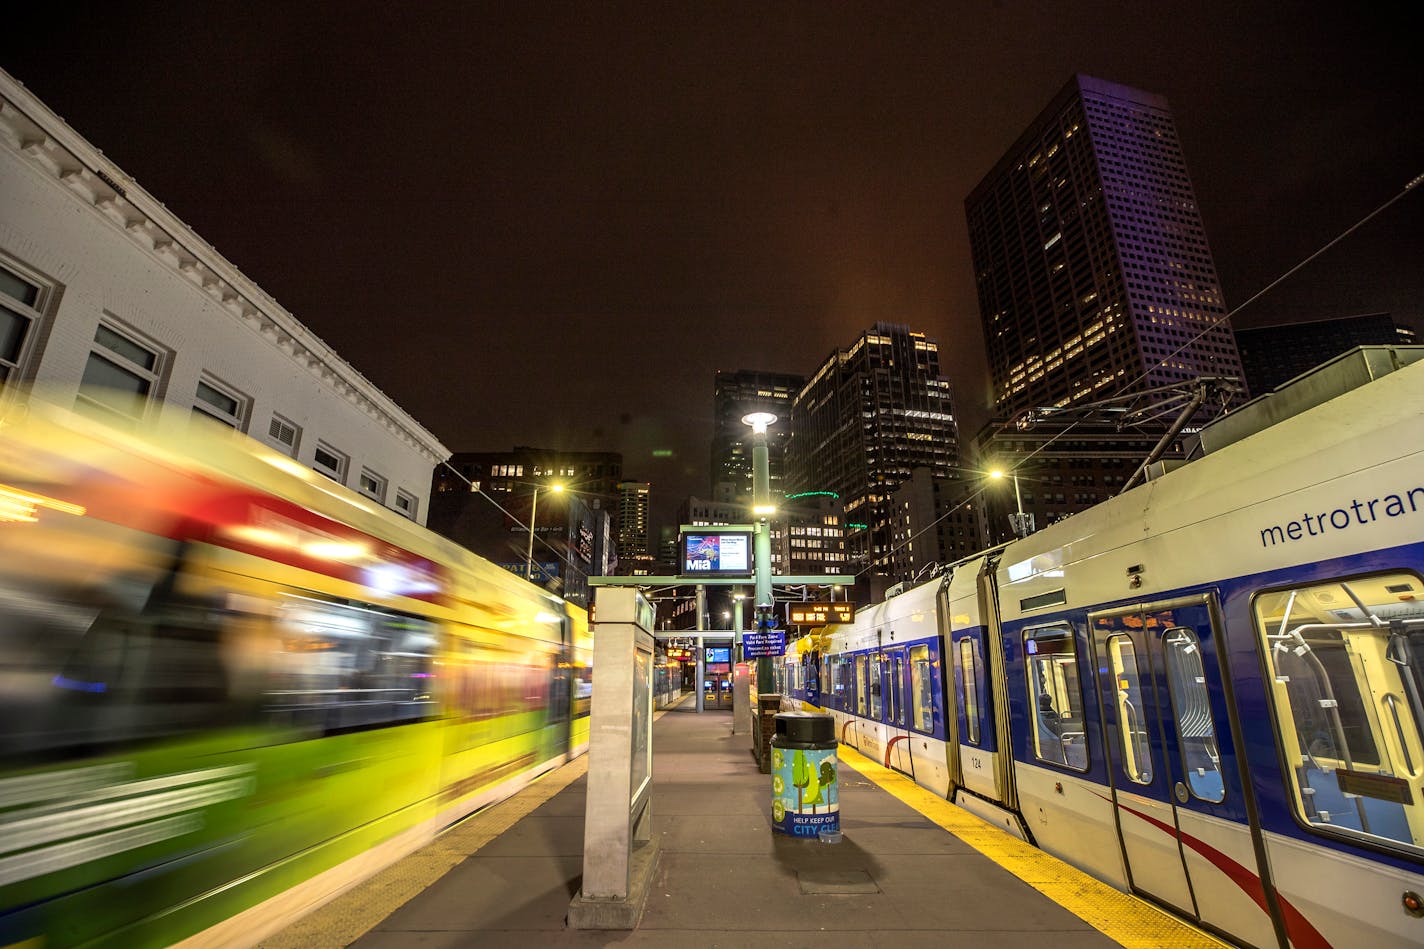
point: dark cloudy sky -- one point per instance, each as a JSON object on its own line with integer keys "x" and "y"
{"x": 549, "y": 224}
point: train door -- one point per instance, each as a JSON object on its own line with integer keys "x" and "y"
{"x": 897, "y": 692}
{"x": 1156, "y": 664}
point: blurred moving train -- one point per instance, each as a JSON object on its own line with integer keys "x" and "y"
{"x": 1208, "y": 691}
{"x": 230, "y": 686}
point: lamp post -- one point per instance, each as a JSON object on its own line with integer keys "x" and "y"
{"x": 533, "y": 512}
{"x": 762, "y": 508}
{"x": 1020, "y": 522}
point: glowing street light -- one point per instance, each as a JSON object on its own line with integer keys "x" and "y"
{"x": 533, "y": 511}
{"x": 1020, "y": 522}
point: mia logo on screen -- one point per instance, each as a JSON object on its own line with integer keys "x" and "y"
{"x": 716, "y": 553}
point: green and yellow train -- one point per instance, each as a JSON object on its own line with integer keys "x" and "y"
{"x": 230, "y": 686}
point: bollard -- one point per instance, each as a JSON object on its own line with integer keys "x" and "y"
{"x": 805, "y": 796}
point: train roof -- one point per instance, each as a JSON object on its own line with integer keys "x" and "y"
{"x": 1346, "y": 372}
{"x": 1361, "y": 411}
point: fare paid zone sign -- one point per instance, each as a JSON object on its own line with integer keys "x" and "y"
{"x": 763, "y": 643}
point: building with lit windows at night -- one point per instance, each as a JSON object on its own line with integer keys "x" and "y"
{"x": 485, "y": 501}
{"x": 1095, "y": 283}
{"x": 634, "y": 529}
{"x": 867, "y": 418}
{"x": 736, "y": 395}
{"x": 1092, "y": 265}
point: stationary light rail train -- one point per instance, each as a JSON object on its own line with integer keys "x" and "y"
{"x": 229, "y": 685}
{"x": 1208, "y": 691}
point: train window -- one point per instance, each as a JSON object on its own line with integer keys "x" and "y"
{"x": 876, "y": 688}
{"x": 969, "y": 697}
{"x": 1132, "y": 712}
{"x": 843, "y": 673}
{"x": 1346, "y": 661}
{"x": 895, "y": 697}
{"x": 106, "y": 640}
{"x": 1196, "y": 732}
{"x": 861, "y": 677}
{"x": 1051, "y": 662}
{"x": 922, "y": 688}
{"x": 340, "y": 666}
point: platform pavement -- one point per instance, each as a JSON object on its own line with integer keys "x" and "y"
{"x": 723, "y": 879}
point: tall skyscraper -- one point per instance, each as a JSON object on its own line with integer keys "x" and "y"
{"x": 1095, "y": 280}
{"x": 635, "y": 553}
{"x": 735, "y": 395}
{"x": 1093, "y": 270}
{"x": 871, "y": 415}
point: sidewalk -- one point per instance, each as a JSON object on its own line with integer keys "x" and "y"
{"x": 723, "y": 879}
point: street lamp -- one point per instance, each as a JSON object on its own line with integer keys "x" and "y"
{"x": 762, "y": 508}
{"x": 1020, "y": 522}
{"x": 533, "y": 512}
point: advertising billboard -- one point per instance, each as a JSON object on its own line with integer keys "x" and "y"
{"x": 717, "y": 554}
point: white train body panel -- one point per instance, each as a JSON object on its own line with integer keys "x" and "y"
{"x": 1351, "y": 902}
{"x": 980, "y": 771}
{"x": 1216, "y": 852}
{"x": 1069, "y": 818}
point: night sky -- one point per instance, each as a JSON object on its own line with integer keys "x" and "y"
{"x": 550, "y": 224}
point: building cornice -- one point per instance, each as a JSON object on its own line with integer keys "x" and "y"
{"x": 39, "y": 137}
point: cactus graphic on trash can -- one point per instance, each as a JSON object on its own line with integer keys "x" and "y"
{"x": 805, "y": 802}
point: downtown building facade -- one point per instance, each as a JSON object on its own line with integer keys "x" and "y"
{"x": 734, "y": 396}
{"x": 1271, "y": 356}
{"x": 114, "y": 307}
{"x": 1095, "y": 282}
{"x": 633, "y": 524}
{"x": 486, "y": 501}
{"x": 869, "y": 416}
{"x": 934, "y": 522}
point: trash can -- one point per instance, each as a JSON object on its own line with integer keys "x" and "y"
{"x": 804, "y": 801}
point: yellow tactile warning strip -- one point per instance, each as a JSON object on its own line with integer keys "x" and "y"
{"x": 1130, "y": 921}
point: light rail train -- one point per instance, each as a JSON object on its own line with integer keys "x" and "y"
{"x": 1208, "y": 691}
{"x": 230, "y": 686}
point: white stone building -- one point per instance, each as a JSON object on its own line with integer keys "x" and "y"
{"x": 100, "y": 284}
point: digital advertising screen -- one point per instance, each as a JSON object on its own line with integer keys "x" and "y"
{"x": 717, "y": 554}
{"x": 717, "y": 659}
